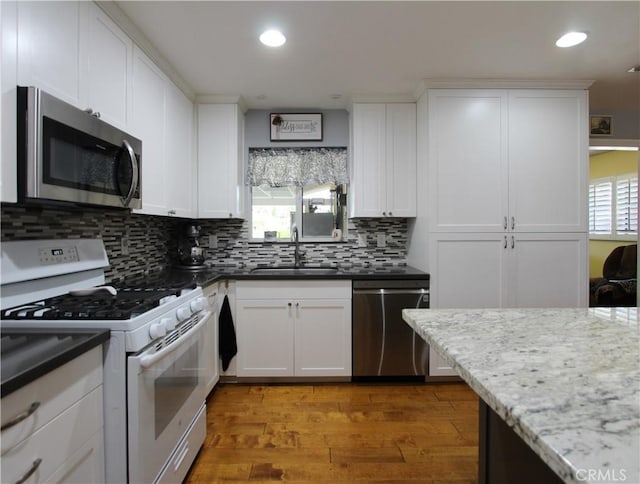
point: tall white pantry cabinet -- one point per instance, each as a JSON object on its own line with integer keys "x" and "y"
{"x": 507, "y": 174}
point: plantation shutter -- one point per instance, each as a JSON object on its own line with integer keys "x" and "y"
{"x": 600, "y": 208}
{"x": 627, "y": 206}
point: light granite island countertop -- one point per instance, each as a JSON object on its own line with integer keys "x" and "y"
{"x": 567, "y": 381}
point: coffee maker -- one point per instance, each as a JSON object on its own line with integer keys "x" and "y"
{"x": 190, "y": 255}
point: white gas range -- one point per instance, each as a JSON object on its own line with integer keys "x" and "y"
{"x": 154, "y": 385}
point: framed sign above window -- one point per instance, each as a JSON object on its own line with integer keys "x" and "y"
{"x": 600, "y": 125}
{"x": 296, "y": 127}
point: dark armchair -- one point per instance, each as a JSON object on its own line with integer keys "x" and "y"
{"x": 617, "y": 286}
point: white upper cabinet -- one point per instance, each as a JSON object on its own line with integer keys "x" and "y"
{"x": 162, "y": 117}
{"x": 467, "y": 173}
{"x": 220, "y": 161}
{"x": 50, "y": 55}
{"x": 8, "y": 102}
{"x": 548, "y": 160}
{"x": 180, "y": 163}
{"x": 383, "y": 165}
{"x": 75, "y": 52}
{"x": 507, "y": 160}
{"x": 147, "y": 123}
{"x": 108, "y": 73}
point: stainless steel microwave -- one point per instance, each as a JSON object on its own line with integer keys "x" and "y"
{"x": 66, "y": 154}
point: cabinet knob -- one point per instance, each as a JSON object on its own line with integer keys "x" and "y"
{"x": 230, "y": 215}
{"x": 390, "y": 214}
{"x": 172, "y": 212}
{"x": 513, "y": 242}
{"x": 384, "y": 214}
{"x": 513, "y": 223}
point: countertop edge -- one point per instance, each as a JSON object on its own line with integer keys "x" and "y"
{"x": 97, "y": 337}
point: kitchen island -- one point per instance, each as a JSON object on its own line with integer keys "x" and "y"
{"x": 564, "y": 381}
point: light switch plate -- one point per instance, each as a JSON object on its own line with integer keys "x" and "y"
{"x": 381, "y": 239}
{"x": 362, "y": 240}
{"x": 213, "y": 241}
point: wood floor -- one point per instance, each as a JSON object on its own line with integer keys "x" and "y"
{"x": 339, "y": 433}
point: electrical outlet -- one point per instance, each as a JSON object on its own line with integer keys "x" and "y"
{"x": 124, "y": 245}
{"x": 213, "y": 241}
{"x": 381, "y": 239}
{"x": 362, "y": 240}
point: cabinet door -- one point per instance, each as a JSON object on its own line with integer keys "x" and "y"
{"x": 180, "y": 163}
{"x": 84, "y": 465}
{"x": 468, "y": 270}
{"x": 265, "y": 338}
{"x": 401, "y": 160}
{"x": 8, "y": 97}
{"x": 438, "y": 365}
{"x": 548, "y": 270}
{"x": 322, "y": 337}
{"x": 220, "y": 161}
{"x": 548, "y": 160}
{"x": 147, "y": 117}
{"x": 467, "y": 167}
{"x": 49, "y": 49}
{"x": 109, "y": 53}
{"x": 368, "y": 166}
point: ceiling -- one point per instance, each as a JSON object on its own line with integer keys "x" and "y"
{"x": 364, "y": 48}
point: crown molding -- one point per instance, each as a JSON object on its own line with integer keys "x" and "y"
{"x": 425, "y": 84}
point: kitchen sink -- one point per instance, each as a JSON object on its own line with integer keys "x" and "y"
{"x": 295, "y": 271}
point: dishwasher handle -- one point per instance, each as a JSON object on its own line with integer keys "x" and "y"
{"x": 391, "y": 291}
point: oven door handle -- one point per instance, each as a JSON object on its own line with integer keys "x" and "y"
{"x": 146, "y": 361}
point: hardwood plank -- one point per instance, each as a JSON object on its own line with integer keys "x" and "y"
{"x": 340, "y": 433}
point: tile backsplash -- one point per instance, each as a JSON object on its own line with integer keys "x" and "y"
{"x": 151, "y": 241}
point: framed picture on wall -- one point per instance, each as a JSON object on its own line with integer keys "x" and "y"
{"x": 600, "y": 125}
{"x": 295, "y": 127}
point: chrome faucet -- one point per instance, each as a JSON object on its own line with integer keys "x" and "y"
{"x": 297, "y": 253}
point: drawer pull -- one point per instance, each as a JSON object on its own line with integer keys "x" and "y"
{"x": 20, "y": 417}
{"x": 34, "y": 466}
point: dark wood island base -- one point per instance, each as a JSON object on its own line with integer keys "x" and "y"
{"x": 504, "y": 458}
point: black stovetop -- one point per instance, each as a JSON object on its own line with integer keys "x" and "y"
{"x": 128, "y": 303}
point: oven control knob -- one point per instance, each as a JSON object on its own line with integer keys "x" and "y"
{"x": 198, "y": 304}
{"x": 157, "y": 330}
{"x": 183, "y": 313}
{"x": 168, "y": 323}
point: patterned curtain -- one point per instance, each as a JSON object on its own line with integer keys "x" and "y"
{"x": 279, "y": 167}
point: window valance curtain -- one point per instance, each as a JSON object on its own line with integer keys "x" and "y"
{"x": 279, "y": 167}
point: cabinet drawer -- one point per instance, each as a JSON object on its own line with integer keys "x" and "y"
{"x": 55, "y": 442}
{"x": 55, "y": 392}
{"x": 298, "y": 289}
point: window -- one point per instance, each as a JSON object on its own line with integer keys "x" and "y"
{"x": 315, "y": 209}
{"x": 302, "y": 187}
{"x": 613, "y": 208}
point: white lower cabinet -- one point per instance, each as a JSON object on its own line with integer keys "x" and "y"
{"x": 508, "y": 270}
{"x": 63, "y": 439}
{"x": 299, "y": 329}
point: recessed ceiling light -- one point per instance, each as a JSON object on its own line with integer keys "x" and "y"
{"x": 272, "y": 38}
{"x": 570, "y": 39}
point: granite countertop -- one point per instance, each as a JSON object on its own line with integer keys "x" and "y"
{"x": 566, "y": 380}
{"x": 211, "y": 275}
{"x": 29, "y": 353}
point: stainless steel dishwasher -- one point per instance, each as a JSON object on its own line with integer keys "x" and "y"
{"x": 384, "y": 346}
